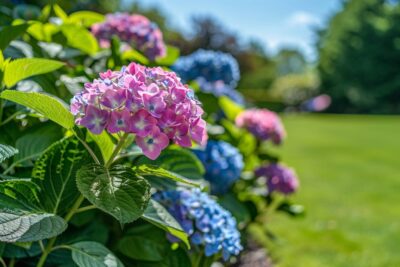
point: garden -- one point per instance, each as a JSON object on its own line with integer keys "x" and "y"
{"x": 124, "y": 142}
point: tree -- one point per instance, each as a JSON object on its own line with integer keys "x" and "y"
{"x": 359, "y": 52}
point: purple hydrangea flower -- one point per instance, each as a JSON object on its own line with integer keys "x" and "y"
{"x": 149, "y": 102}
{"x": 262, "y": 123}
{"x": 134, "y": 30}
{"x": 280, "y": 178}
{"x": 204, "y": 220}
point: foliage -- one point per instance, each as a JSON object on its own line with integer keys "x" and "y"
{"x": 80, "y": 183}
{"x": 365, "y": 33}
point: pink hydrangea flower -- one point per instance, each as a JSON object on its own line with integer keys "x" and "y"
{"x": 280, "y": 178}
{"x": 262, "y": 123}
{"x": 134, "y": 30}
{"x": 149, "y": 102}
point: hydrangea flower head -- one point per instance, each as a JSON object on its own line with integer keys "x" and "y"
{"x": 262, "y": 123}
{"x": 149, "y": 102}
{"x": 223, "y": 164}
{"x": 134, "y": 30}
{"x": 210, "y": 65}
{"x": 280, "y": 178}
{"x": 204, "y": 220}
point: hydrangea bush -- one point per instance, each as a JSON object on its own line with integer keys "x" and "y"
{"x": 123, "y": 171}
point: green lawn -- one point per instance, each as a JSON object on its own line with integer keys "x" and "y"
{"x": 349, "y": 167}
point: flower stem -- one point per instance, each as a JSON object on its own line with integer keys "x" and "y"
{"x": 117, "y": 149}
{"x": 52, "y": 241}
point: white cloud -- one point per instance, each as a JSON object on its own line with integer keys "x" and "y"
{"x": 301, "y": 18}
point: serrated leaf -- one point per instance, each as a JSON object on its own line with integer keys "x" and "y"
{"x": 19, "y": 194}
{"x": 29, "y": 227}
{"x": 20, "y": 69}
{"x": 177, "y": 160}
{"x": 6, "y": 152}
{"x": 93, "y": 254}
{"x": 48, "y": 106}
{"x": 160, "y": 217}
{"x": 9, "y": 33}
{"x": 85, "y": 18}
{"x": 172, "y": 54}
{"x": 119, "y": 191}
{"x": 80, "y": 38}
{"x": 154, "y": 172}
{"x": 55, "y": 172}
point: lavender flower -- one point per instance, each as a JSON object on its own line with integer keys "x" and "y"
{"x": 280, "y": 178}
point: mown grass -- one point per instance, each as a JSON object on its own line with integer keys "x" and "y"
{"x": 349, "y": 168}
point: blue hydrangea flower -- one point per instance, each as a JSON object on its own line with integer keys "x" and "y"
{"x": 223, "y": 164}
{"x": 204, "y": 220}
{"x": 210, "y": 65}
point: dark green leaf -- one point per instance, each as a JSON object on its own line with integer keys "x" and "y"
{"x": 6, "y": 152}
{"x": 177, "y": 160}
{"x": 20, "y": 69}
{"x": 160, "y": 217}
{"x": 19, "y": 194}
{"x": 55, "y": 173}
{"x": 118, "y": 191}
{"x": 27, "y": 227}
{"x": 92, "y": 254}
{"x": 46, "y": 105}
{"x": 9, "y": 33}
{"x": 13, "y": 251}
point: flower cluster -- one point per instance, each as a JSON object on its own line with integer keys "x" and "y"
{"x": 262, "y": 123}
{"x": 149, "y": 102}
{"x": 223, "y": 164}
{"x": 135, "y": 30}
{"x": 204, "y": 220}
{"x": 280, "y": 178}
{"x": 212, "y": 66}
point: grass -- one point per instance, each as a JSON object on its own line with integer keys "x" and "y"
{"x": 349, "y": 167}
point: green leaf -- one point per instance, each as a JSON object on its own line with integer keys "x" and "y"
{"x": 118, "y": 191}
{"x": 13, "y": 251}
{"x": 60, "y": 12}
{"x": 155, "y": 172}
{"x": 55, "y": 172}
{"x": 20, "y": 69}
{"x": 177, "y": 160}
{"x": 93, "y": 254}
{"x": 33, "y": 143}
{"x": 48, "y": 106}
{"x": 28, "y": 227}
{"x": 230, "y": 108}
{"x": 171, "y": 56}
{"x": 42, "y": 31}
{"x": 19, "y": 194}
{"x": 6, "y": 152}
{"x": 105, "y": 144}
{"x": 80, "y": 38}
{"x": 134, "y": 55}
{"x": 9, "y": 33}
{"x": 160, "y": 217}
{"x": 85, "y": 18}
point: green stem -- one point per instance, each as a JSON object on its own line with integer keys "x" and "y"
{"x": 90, "y": 207}
{"x": 117, "y": 149}
{"x": 10, "y": 118}
{"x": 3, "y": 263}
{"x": 12, "y": 263}
{"x": 88, "y": 149}
{"x": 52, "y": 241}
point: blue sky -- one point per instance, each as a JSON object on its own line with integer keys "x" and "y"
{"x": 275, "y": 23}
